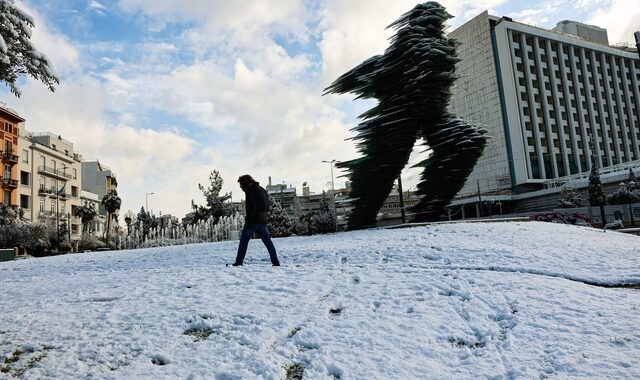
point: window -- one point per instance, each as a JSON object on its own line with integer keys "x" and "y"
{"x": 24, "y": 201}
{"x": 7, "y": 171}
{"x": 75, "y": 173}
{"x": 43, "y": 161}
{"x": 7, "y": 197}
{"x": 25, "y": 156}
{"x": 43, "y": 183}
{"x": 63, "y": 208}
{"x": 74, "y": 191}
{"x": 24, "y": 178}
{"x": 42, "y": 205}
{"x": 53, "y": 207}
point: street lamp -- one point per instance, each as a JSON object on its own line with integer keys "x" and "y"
{"x": 146, "y": 198}
{"x": 333, "y": 193}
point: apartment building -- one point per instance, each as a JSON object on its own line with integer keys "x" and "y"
{"x": 98, "y": 179}
{"x": 50, "y": 180}
{"x": 10, "y": 126}
{"x": 553, "y": 101}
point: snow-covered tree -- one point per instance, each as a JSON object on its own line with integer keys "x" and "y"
{"x": 18, "y": 56}
{"x": 323, "y": 221}
{"x": 86, "y": 213}
{"x": 280, "y": 223}
{"x": 596, "y": 196}
{"x": 111, "y": 203}
{"x": 215, "y": 202}
{"x": 15, "y": 232}
{"x": 623, "y": 196}
{"x": 144, "y": 223}
{"x": 570, "y": 198}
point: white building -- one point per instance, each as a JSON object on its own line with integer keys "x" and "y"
{"x": 550, "y": 100}
{"x": 50, "y": 178}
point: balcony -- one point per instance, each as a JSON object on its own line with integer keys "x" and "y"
{"x": 60, "y": 174}
{"x": 10, "y": 158}
{"x": 47, "y": 214}
{"x": 42, "y": 191}
{"x": 8, "y": 182}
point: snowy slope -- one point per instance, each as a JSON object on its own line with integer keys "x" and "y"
{"x": 452, "y": 301}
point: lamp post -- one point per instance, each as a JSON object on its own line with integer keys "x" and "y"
{"x": 333, "y": 194}
{"x": 637, "y": 36}
{"x": 58, "y": 192}
{"x": 146, "y": 198}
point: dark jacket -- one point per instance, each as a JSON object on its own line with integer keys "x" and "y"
{"x": 256, "y": 204}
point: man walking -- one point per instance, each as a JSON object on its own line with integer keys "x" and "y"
{"x": 256, "y": 205}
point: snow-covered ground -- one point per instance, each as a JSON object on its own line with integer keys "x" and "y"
{"x": 451, "y": 301}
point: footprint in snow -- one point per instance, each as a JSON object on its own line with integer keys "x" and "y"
{"x": 159, "y": 360}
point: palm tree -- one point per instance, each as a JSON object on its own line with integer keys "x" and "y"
{"x": 87, "y": 213}
{"x": 111, "y": 202}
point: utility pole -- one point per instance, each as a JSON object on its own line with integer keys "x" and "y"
{"x": 402, "y": 212}
{"x": 146, "y": 198}
{"x": 479, "y": 207}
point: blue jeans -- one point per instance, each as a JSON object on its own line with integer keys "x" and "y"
{"x": 263, "y": 232}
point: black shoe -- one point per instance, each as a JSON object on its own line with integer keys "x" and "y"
{"x": 236, "y": 264}
{"x": 276, "y": 264}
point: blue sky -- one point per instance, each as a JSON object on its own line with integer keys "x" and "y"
{"x": 164, "y": 91}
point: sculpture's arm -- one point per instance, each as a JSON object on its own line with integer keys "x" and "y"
{"x": 358, "y": 80}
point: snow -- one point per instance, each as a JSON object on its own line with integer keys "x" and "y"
{"x": 449, "y": 301}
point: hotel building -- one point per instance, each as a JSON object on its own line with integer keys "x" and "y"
{"x": 552, "y": 101}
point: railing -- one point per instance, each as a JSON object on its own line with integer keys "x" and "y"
{"x": 8, "y": 156}
{"x": 56, "y": 172}
{"x": 9, "y": 182}
{"x": 43, "y": 190}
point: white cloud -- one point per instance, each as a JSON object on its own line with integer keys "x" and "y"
{"x": 353, "y": 31}
{"x": 238, "y": 90}
{"x": 621, "y": 18}
{"x": 243, "y": 18}
{"x": 97, "y": 7}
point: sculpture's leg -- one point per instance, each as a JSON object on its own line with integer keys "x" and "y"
{"x": 456, "y": 147}
{"x": 372, "y": 176}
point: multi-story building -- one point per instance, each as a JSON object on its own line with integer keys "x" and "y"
{"x": 10, "y": 126}
{"x": 553, "y": 101}
{"x": 50, "y": 179}
{"x": 391, "y": 211}
{"x": 284, "y": 195}
{"x": 98, "y": 179}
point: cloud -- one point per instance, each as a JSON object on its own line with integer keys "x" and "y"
{"x": 228, "y": 85}
{"x": 244, "y": 19}
{"x": 97, "y": 7}
{"x": 621, "y": 18}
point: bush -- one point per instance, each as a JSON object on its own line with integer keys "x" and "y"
{"x": 89, "y": 243}
{"x": 615, "y": 225}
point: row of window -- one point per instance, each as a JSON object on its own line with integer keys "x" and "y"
{"x": 617, "y": 95}
{"x": 10, "y": 128}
